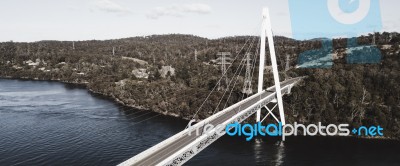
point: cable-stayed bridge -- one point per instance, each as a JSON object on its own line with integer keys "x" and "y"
{"x": 184, "y": 145}
{"x": 181, "y": 147}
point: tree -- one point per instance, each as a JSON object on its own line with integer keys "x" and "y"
{"x": 8, "y": 52}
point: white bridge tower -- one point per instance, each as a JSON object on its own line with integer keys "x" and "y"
{"x": 266, "y": 31}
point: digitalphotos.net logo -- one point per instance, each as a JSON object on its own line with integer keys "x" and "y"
{"x": 327, "y": 19}
{"x": 278, "y": 130}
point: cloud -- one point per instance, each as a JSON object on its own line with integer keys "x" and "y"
{"x": 178, "y": 10}
{"x": 212, "y": 26}
{"x": 111, "y": 7}
{"x": 391, "y": 25}
{"x": 281, "y": 13}
{"x": 72, "y": 8}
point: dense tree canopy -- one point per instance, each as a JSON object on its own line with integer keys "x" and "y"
{"x": 358, "y": 94}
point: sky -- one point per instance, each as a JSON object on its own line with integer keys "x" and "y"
{"x": 35, "y": 20}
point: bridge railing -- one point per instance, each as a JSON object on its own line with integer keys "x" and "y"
{"x": 184, "y": 132}
{"x": 189, "y": 151}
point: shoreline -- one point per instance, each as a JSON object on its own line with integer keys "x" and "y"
{"x": 119, "y": 101}
{"x": 109, "y": 97}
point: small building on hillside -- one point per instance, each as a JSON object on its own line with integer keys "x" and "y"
{"x": 140, "y": 73}
{"x": 165, "y": 69}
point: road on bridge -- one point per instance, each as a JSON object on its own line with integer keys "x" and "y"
{"x": 166, "y": 151}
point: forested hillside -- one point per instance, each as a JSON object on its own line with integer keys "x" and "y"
{"x": 161, "y": 73}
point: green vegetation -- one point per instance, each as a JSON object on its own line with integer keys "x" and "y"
{"x": 358, "y": 94}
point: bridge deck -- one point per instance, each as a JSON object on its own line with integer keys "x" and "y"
{"x": 164, "y": 152}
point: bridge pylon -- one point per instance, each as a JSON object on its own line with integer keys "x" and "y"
{"x": 266, "y": 31}
{"x": 181, "y": 147}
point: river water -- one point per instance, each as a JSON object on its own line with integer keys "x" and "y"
{"x": 51, "y": 123}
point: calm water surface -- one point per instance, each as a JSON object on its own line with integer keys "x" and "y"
{"x": 50, "y": 123}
